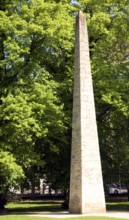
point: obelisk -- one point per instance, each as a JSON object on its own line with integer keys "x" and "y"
{"x": 86, "y": 184}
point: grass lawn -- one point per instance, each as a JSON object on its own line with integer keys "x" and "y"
{"x": 20, "y": 211}
{"x": 33, "y": 207}
{"x": 23, "y": 217}
{"x": 118, "y": 206}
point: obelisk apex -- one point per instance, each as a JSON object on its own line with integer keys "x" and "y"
{"x": 86, "y": 184}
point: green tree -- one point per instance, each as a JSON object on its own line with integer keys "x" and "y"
{"x": 37, "y": 56}
{"x": 109, "y": 46}
{"x": 31, "y": 112}
{"x": 36, "y": 63}
{"x": 10, "y": 172}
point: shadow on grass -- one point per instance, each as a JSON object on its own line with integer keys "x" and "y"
{"x": 41, "y": 202}
{"x": 34, "y": 207}
{"x": 46, "y": 207}
{"x": 119, "y": 206}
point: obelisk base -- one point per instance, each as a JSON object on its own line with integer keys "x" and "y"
{"x": 88, "y": 209}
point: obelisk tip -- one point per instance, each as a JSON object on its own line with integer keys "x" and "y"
{"x": 80, "y": 12}
{"x": 80, "y": 15}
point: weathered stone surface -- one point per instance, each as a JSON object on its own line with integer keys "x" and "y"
{"x": 86, "y": 184}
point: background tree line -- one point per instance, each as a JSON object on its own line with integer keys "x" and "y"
{"x": 36, "y": 82}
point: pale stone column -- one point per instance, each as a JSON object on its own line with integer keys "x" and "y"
{"x": 86, "y": 184}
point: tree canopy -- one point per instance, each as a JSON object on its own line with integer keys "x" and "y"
{"x": 36, "y": 82}
{"x": 109, "y": 47}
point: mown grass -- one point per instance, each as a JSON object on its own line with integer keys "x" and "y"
{"x": 33, "y": 207}
{"x": 118, "y": 206}
{"x": 23, "y": 217}
{"x": 20, "y": 211}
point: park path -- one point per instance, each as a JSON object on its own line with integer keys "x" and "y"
{"x": 123, "y": 215}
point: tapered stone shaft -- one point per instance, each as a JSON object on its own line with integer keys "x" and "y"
{"x": 86, "y": 184}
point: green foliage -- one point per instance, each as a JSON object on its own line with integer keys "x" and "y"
{"x": 36, "y": 81}
{"x": 109, "y": 47}
{"x": 35, "y": 32}
{"x": 10, "y": 171}
{"x": 35, "y": 66}
{"x": 28, "y": 112}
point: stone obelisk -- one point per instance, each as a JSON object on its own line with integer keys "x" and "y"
{"x": 86, "y": 184}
